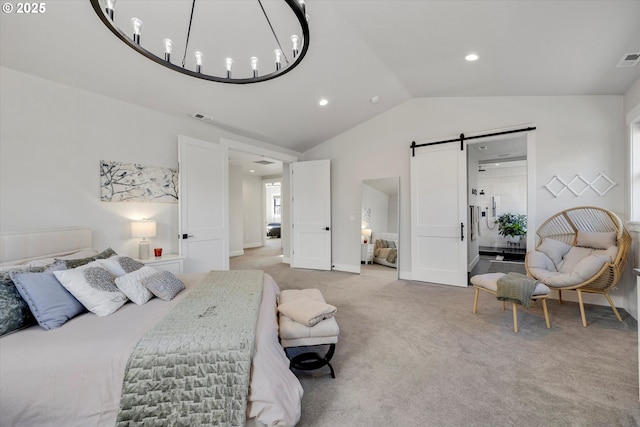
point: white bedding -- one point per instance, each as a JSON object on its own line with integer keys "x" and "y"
{"x": 72, "y": 376}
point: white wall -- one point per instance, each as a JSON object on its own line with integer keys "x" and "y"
{"x": 253, "y": 211}
{"x": 508, "y": 182}
{"x": 236, "y": 207}
{"x": 631, "y": 107}
{"x": 575, "y": 135}
{"x": 52, "y": 138}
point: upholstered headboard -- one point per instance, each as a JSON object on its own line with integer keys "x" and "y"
{"x": 22, "y": 247}
{"x": 383, "y": 236}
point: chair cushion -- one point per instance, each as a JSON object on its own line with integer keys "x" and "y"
{"x": 596, "y": 240}
{"x": 584, "y": 270}
{"x": 554, "y": 249}
{"x": 489, "y": 281}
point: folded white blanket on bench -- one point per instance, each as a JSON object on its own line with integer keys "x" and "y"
{"x": 307, "y": 311}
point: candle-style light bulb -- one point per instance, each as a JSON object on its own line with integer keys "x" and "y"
{"x": 168, "y": 47}
{"x": 229, "y": 64}
{"x": 137, "y": 25}
{"x": 254, "y": 65}
{"x": 198, "y": 56}
{"x": 109, "y": 5}
{"x": 294, "y": 42}
{"x": 278, "y": 54}
{"x": 302, "y": 5}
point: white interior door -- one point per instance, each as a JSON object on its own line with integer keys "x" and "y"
{"x": 311, "y": 215}
{"x": 439, "y": 215}
{"x": 203, "y": 205}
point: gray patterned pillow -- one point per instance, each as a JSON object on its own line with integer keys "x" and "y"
{"x": 120, "y": 265}
{"x": 14, "y": 311}
{"x": 94, "y": 286}
{"x": 73, "y": 263}
{"x": 164, "y": 285}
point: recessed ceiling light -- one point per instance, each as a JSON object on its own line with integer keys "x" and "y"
{"x": 374, "y": 99}
{"x": 471, "y": 57}
{"x": 252, "y": 170}
{"x": 323, "y": 102}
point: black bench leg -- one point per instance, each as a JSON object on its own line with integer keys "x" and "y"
{"x": 311, "y": 360}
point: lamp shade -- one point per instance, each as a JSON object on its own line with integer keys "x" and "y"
{"x": 366, "y": 232}
{"x": 143, "y": 228}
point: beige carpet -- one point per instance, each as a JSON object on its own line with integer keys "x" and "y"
{"x": 413, "y": 354}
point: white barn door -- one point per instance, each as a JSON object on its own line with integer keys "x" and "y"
{"x": 203, "y": 205}
{"x": 439, "y": 214}
{"x": 311, "y": 215}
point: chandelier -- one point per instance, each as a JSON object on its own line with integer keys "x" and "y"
{"x": 223, "y": 41}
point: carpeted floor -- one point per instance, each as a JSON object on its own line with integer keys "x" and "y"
{"x": 413, "y": 354}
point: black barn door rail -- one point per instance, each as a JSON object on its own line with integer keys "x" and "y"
{"x": 462, "y": 138}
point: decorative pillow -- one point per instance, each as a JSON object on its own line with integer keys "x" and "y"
{"x": 94, "y": 287}
{"x": 120, "y": 265}
{"x": 596, "y": 240}
{"x": 164, "y": 285}
{"x": 573, "y": 257}
{"x": 389, "y": 244}
{"x": 73, "y": 263}
{"x": 14, "y": 311}
{"x": 307, "y": 311}
{"x": 131, "y": 284}
{"x": 585, "y": 269}
{"x": 51, "y": 304}
{"x": 554, "y": 249}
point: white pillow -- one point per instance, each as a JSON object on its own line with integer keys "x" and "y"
{"x": 596, "y": 240}
{"x": 94, "y": 287}
{"x": 554, "y": 249}
{"x": 132, "y": 286}
{"x": 573, "y": 257}
{"x": 120, "y": 265}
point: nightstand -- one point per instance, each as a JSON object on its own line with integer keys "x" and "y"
{"x": 170, "y": 262}
{"x": 366, "y": 253}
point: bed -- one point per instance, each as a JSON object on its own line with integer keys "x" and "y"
{"x": 385, "y": 249}
{"x": 73, "y": 375}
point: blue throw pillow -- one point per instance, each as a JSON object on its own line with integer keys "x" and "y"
{"x": 14, "y": 311}
{"x": 51, "y": 304}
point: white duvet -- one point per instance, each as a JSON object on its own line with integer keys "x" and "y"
{"x": 72, "y": 376}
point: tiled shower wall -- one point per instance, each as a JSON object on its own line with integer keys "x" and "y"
{"x": 508, "y": 183}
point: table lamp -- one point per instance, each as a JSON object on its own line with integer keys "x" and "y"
{"x": 144, "y": 229}
{"x": 366, "y": 232}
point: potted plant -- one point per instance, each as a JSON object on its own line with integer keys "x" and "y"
{"x": 512, "y": 226}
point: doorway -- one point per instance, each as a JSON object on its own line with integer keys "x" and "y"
{"x": 497, "y": 187}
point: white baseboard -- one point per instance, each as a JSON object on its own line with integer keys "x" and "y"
{"x": 473, "y": 263}
{"x": 252, "y": 245}
{"x": 346, "y": 267}
{"x": 286, "y": 260}
{"x": 236, "y": 253}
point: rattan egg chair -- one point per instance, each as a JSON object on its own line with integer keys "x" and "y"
{"x": 565, "y": 227}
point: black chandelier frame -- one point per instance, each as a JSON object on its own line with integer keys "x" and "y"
{"x": 295, "y": 6}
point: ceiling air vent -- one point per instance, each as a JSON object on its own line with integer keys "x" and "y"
{"x": 202, "y": 117}
{"x": 264, "y": 162}
{"x": 629, "y": 60}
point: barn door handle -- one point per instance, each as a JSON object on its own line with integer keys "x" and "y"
{"x": 461, "y": 231}
{"x": 186, "y": 236}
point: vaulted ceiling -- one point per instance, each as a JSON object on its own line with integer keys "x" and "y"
{"x": 394, "y": 50}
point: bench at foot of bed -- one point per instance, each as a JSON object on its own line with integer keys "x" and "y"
{"x": 302, "y": 343}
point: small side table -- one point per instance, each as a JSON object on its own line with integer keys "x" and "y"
{"x": 169, "y": 262}
{"x": 366, "y": 253}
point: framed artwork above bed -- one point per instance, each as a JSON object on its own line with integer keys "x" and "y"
{"x": 133, "y": 182}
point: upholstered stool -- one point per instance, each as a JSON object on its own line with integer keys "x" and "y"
{"x": 489, "y": 283}
{"x": 295, "y": 334}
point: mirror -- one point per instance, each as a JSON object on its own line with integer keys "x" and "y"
{"x": 379, "y": 227}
